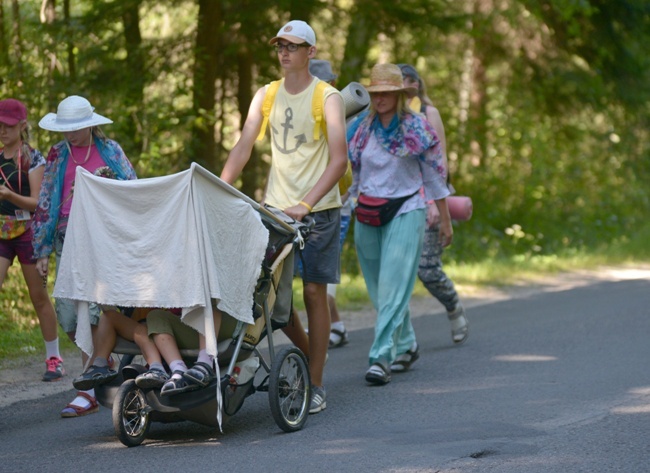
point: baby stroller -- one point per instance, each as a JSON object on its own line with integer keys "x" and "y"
{"x": 285, "y": 375}
{"x": 109, "y": 219}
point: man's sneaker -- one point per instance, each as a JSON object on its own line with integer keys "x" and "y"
{"x": 54, "y": 369}
{"x": 317, "y": 400}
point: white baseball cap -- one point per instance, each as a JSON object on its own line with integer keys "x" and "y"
{"x": 296, "y": 31}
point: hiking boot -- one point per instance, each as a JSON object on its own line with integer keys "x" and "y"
{"x": 54, "y": 369}
{"x": 318, "y": 402}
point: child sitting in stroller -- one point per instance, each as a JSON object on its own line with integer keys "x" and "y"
{"x": 170, "y": 335}
{"x": 164, "y": 335}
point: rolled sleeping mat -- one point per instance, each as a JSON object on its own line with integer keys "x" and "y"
{"x": 460, "y": 207}
{"x": 355, "y": 98}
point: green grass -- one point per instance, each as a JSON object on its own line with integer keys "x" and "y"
{"x": 352, "y": 295}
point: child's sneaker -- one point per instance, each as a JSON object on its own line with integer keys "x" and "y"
{"x": 94, "y": 376}
{"x": 54, "y": 369}
{"x": 152, "y": 379}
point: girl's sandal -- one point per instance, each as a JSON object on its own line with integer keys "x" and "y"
{"x": 178, "y": 385}
{"x": 72, "y": 410}
{"x": 201, "y": 374}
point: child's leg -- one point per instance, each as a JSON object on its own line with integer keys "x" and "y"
{"x": 133, "y": 331}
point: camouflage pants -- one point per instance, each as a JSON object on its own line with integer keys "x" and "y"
{"x": 430, "y": 270}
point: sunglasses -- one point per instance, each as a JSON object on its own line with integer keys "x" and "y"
{"x": 291, "y": 47}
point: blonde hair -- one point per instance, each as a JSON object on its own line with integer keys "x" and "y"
{"x": 25, "y": 148}
{"x": 98, "y": 133}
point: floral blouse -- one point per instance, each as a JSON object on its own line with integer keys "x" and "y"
{"x": 46, "y": 217}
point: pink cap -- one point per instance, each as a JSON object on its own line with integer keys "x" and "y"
{"x": 12, "y": 111}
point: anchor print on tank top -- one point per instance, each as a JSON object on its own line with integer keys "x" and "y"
{"x": 287, "y": 143}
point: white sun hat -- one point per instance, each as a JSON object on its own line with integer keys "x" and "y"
{"x": 73, "y": 113}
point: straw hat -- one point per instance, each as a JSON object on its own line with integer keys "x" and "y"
{"x": 73, "y": 113}
{"x": 387, "y": 78}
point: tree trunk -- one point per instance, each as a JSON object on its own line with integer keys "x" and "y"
{"x": 254, "y": 177}
{"x": 360, "y": 34}
{"x": 72, "y": 62}
{"x": 16, "y": 38}
{"x": 135, "y": 71}
{"x": 4, "y": 45}
{"x": 202, "y": 147}
{"x": 48, "y": 13}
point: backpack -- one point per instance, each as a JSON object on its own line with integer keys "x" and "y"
{"x": 317, "y": 111}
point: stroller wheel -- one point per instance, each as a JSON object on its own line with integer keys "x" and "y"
{"x": 290, "y": 389}
{"x": 131, "y": 414}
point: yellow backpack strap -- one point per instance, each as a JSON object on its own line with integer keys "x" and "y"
{"x": 317, "y": 109}
{"x": 267, "y": 105}
{"x": 346, "y": 181}
{"x": 416, "y": 104}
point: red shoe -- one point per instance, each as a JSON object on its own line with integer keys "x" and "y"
{"x": 55, "y": 370}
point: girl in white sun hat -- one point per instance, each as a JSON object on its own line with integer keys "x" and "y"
{"x": 84, "y": 145}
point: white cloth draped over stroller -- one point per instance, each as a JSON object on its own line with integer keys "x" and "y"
{"x": 172, "y": 241}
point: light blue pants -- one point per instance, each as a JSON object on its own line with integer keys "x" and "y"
{"x": 389, "y": 258}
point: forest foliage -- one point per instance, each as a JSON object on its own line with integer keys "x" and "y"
{"x": 545, "y": 103}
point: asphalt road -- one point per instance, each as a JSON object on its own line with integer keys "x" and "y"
{"x": 549, "y": 381}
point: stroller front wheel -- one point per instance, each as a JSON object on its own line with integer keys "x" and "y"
{"x": 131, "y": 418}
{"x": 290, "y": 389}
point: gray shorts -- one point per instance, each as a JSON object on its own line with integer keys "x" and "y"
{"x": 320, "y": 260}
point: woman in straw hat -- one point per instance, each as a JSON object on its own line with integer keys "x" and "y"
{"x": 84, "y": 145}
{"x": 395, "y": 155}
{"x": 21, "y": 173}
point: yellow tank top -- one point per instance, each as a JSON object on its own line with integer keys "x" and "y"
{"x": 298, "y": 161}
